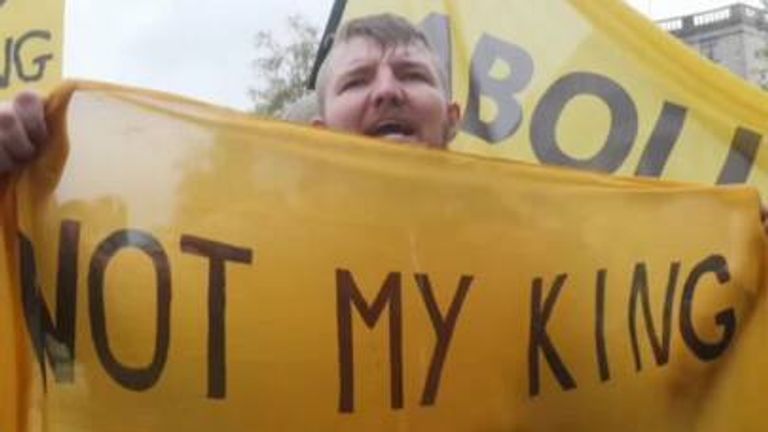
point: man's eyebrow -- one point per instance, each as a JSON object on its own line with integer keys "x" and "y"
{"x": 412, "y": 64}
{"x": 409, "y": 66}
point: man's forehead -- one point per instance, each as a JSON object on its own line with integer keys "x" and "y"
{"x": 360, "y": 51}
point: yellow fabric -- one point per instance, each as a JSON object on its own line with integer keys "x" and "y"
{"x": 301, "y": 220}
{"x": 32, "y": 35}
{"x": 552, "y": 47}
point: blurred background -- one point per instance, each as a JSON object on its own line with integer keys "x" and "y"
{"x": 255, "y": 55}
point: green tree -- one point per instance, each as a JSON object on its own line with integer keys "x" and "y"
{"x": 282, "y": 67}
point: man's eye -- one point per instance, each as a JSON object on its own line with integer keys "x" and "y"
{"x": 417, "y": 76}
{"x": 352, "y": 84}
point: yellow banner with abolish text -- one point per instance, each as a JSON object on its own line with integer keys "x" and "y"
{"x": 191, "y": 268}
{"x": 592, "y": 85}
{"x": 32, "y": 35}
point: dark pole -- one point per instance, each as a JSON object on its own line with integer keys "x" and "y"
{"x": 327, "y": 41}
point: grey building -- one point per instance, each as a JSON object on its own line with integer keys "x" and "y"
{"x": 734, "y": 36}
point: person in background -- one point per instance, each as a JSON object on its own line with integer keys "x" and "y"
{"x": 303, "y": 110}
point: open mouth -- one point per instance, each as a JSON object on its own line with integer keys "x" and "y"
{"x": 392, "y": 130}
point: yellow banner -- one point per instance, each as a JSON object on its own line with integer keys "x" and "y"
{"x": 591, "y": 85}
{"x": 32, "y": 34}
{"x": 195, "y": 269}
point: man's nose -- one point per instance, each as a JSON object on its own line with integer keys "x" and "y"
{"x": 387, "y": 90}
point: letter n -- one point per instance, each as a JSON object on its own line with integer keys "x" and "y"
{"x": 57, "y": 341}
{"x": 640, "y": 291}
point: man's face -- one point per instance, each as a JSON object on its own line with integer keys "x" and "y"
{"x": 393, "y": 93}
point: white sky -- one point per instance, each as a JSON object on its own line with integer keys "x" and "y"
{"x": 203, "y": 48}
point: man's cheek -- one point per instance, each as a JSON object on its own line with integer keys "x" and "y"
{"x": 349, "y": 116}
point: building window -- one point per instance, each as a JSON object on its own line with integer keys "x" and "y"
{"x": 707, "y": 49}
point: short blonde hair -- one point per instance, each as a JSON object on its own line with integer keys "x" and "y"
{"x": 387, "y": 30}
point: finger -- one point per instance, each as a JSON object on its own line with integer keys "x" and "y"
{"x": 31, "y": 112}
{"x": 14, "y": 141}
{"x": 7, "y": 163}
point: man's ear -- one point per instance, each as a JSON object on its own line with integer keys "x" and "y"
{"x": 454, "y": 120}
{"x": 318, "y": 122}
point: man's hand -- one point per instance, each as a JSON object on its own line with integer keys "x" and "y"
{"x": 22, "y": 130}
